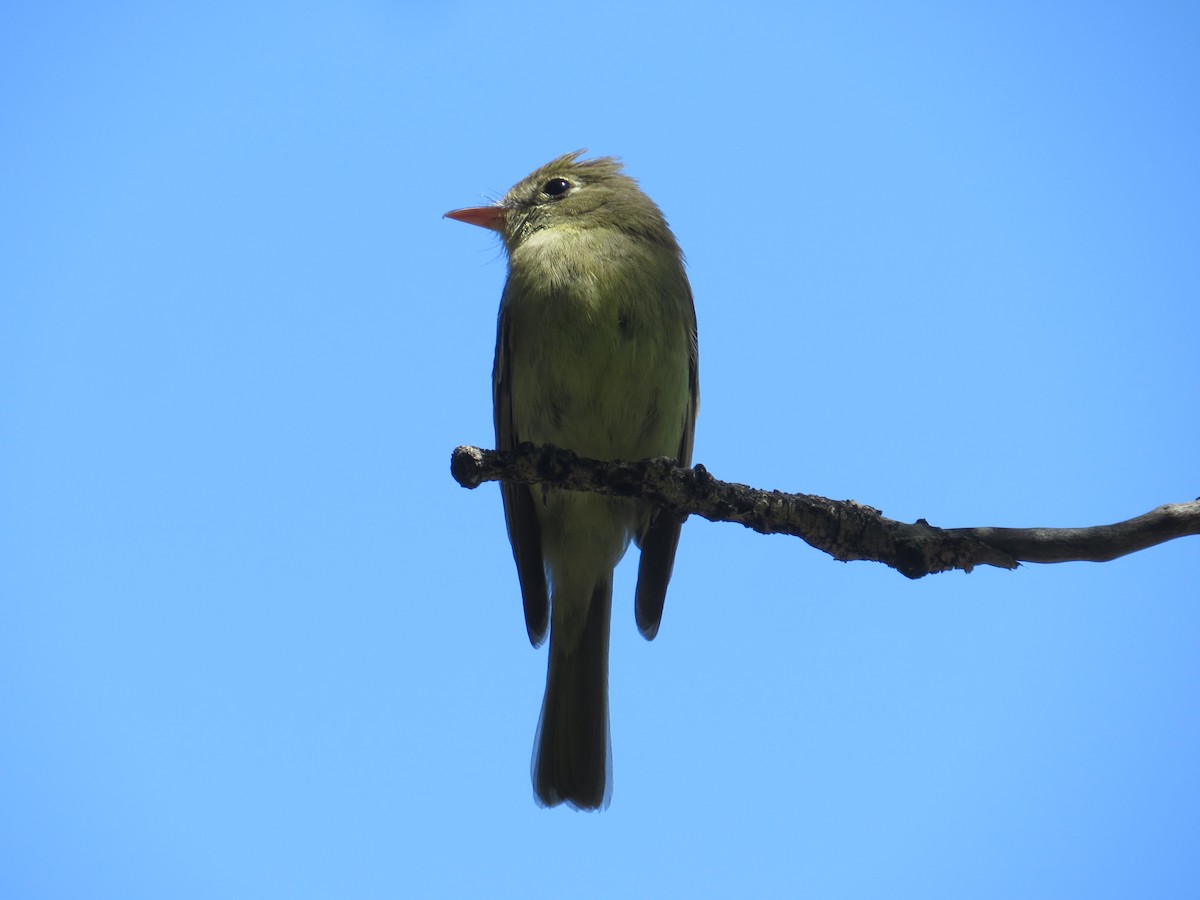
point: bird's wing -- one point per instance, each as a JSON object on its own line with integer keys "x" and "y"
{"x": 524, "y": 532}
{"x": 661, "y": 537}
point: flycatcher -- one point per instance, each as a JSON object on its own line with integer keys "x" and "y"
{"x": 595, "y": 352}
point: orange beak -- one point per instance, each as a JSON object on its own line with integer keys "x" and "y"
{"x": 484, "y": 216}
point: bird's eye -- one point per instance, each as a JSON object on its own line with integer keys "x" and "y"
{"x": 556, "y": 187}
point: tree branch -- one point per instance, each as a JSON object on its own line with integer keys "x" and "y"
{"x": 844, "y": 529}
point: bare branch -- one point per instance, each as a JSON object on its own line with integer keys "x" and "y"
{"x": 844, "y": 529}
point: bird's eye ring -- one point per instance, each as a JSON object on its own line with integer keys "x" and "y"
{"x": 556, "y": 187}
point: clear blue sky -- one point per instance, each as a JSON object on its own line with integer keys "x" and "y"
{"x": 255, "y": 642}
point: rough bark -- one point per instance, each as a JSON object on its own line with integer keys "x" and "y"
{"x": 845, "y": 529}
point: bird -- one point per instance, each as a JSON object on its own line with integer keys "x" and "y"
{"x": 596, "y": 352}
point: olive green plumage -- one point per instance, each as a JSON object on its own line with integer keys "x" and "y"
{"x": 595, "y": 352}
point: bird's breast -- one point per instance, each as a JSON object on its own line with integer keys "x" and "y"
{"x": 599, "y": 342}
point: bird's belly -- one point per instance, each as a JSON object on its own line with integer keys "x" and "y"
{"x": 602, "y": 393}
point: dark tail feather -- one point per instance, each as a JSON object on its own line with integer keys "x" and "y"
{"x": 571, "y": 758}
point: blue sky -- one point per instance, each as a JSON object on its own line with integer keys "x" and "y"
{"x": 255, "y": 642}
